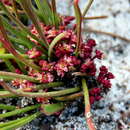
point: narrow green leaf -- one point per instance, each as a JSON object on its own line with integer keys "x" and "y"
{"x": 54, "y": 42}
{"x": 48, "y": 85}
{"x": 20, "y": 24}
{"x": 21, "y": 122}
{"x": 11, "y": 76}
{"x": 78, "y": 16}
{"x": 7, "y": 107}
{"x": 27, "y": 6}
{"x": 10, "y": 48}
{"x": 44, "y": 11}
{"x": 50, "y": 109}
{"x": 11, "y": 122}
{"x": 10, "y": 56}
{"x": 19, "y": 111}
{"x": 6, "y": 94}
{"x": 9, "y": 65}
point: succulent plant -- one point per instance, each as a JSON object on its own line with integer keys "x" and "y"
{"x": 47, "y": 52}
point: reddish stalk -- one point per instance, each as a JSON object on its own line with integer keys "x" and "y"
{"x": 95, "y": 17}
{"x": 89, "y": 120}
{"x": 78, "y": 25}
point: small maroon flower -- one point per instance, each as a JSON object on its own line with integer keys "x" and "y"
{"x": 86, "y": 51}
{"x": 95, "y": 91}
{"x": 91, "y": 43}
{"x": 18, "y": 71}
{"x": 46, "y": 66}
{"x": 67, "y": 19}
{"x": 61, "y": 67}
{"x": 45, "y": 77}
{"x": 98, "y": 55}
{"x": 92, "y": 99}
{"x": 42, "y": 100}
{"x": 34, "y": 53}
{"x": 109, "y": 75}
{"x": 18, "y": 82}
{"x": 89, "y": 68}
{"x": 97, "y": 98}
{"x": 106, "y": 83}
{"x": 103, "y": 69}
{"x": 52, "y": 33}
{"x": 63, "y": 49}
{"x": 71, "y": 60}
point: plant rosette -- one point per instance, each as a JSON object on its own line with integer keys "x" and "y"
{"x": 51, "y": 54}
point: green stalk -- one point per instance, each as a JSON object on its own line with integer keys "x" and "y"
{"x": 19, "y": 111}
{"x": 78, "y": 16}
{"x": 48, "y": 85}
{"x": 7, "y": 107}
{"x": 40, "y": 94}
{"x": 21, "y": 66}
{"x": 21, "y": 122}
{"x": 27, "y": 6}
{"x": 10, "y": 56}
{"x": 6, "y": 94}
{"x": 69, "y": 97}
{"x": 54, "y": 42}
{"x": 12, "y": 76}
{"x": 89, "y": 120}
{"x": 9, "y": 65}
{"x": 20, "y": 42}
{"x": 11, "y": 122}
{"x": 87, "y": 7}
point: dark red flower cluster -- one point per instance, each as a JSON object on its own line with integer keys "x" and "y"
{"x": 65, "y": 61}
{"x": 104, "y": 77}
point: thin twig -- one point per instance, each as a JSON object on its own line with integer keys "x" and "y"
{"x": 87, "y": 7}
{"x": 95, "y": 17}
{"x": 107, "y": 33}
{"x": 89, "y": 120}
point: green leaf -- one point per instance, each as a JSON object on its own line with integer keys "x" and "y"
{"x": 27, "y": 6}
{"x": 50, "y": 109}
{"x": 7, "y": 107}
{"x": 6, "y": 94}
{"x": 22, "y": 27}
{"x": 44, "y": 11}
{"x": 11, "y": 122}
{"x": 19, "y": 111}
{"x": 54, "y": 42}
{"x": 11, "y": 76}
{"x": 9, "y": 65}
{"x": 21, "y": 122}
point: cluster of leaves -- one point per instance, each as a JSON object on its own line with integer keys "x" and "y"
{"x": 41, "y": 54}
